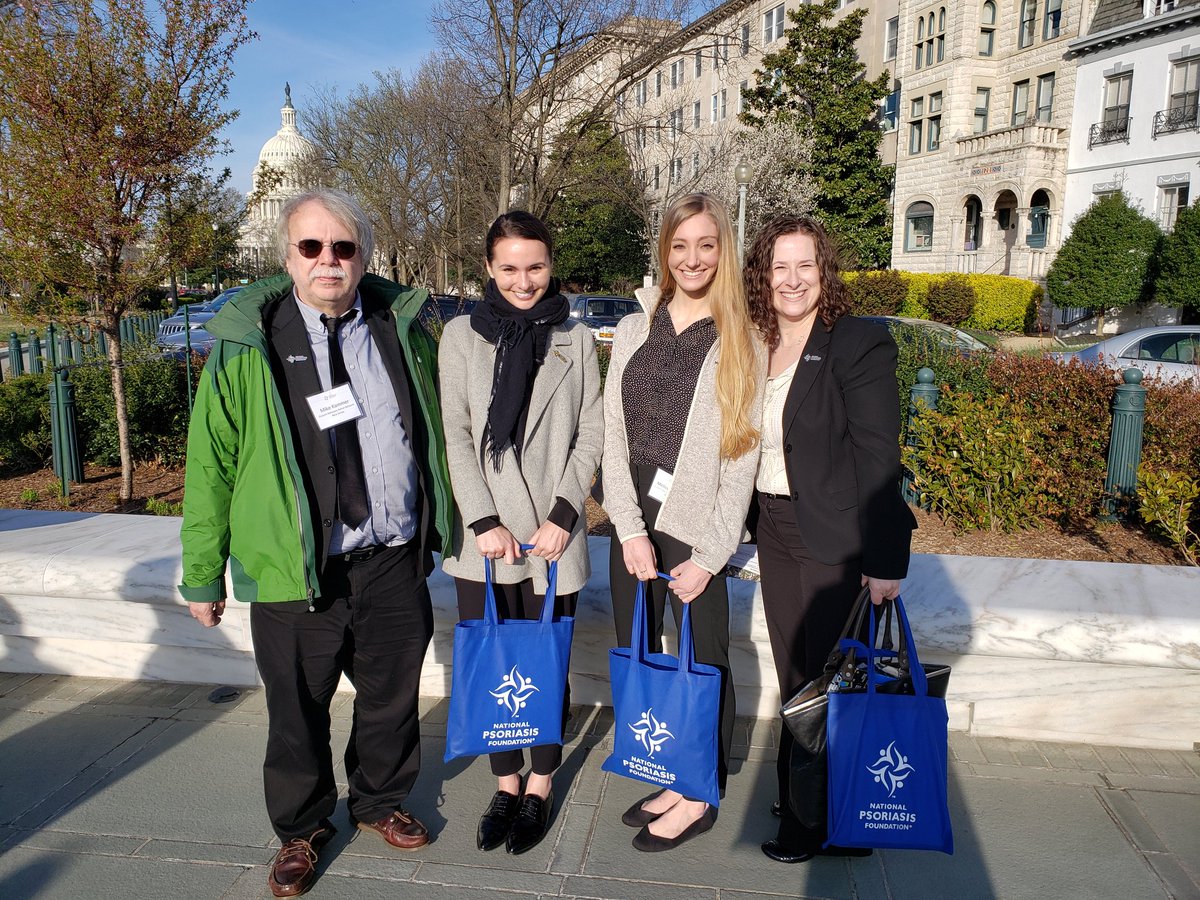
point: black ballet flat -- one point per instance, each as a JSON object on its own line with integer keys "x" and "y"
{"x": 652, "y": 843}
{"x": 636, "y": 817}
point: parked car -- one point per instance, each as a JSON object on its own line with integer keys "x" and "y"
{"x": 441, "y": 308}
{"x": 171, "y": 331}
{"x": 601, "y": 313}
{"x": 1168, "y": 352}
{"x": 945, "y": 336}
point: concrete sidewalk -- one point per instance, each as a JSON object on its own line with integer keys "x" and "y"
{"x": 112, "y": 789}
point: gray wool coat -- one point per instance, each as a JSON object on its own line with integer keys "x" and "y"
{"x": 564, "y": 437}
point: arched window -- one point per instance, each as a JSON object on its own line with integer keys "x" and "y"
{"x": 987, "y": 29}
{"x": 973, "y": 236}
{"x": 941, "y": 35}
{"x": 918, "y": 227}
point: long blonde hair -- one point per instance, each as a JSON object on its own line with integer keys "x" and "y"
{"x": 737, "y": 371}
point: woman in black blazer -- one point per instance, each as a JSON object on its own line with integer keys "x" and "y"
{"x": 830, "y": 515}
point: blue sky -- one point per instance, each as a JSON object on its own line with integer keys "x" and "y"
{"x": 334, "y": 43}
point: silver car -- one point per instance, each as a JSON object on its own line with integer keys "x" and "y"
{"x": 1166, "y": 352}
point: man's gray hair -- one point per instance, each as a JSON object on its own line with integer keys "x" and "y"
{"x": 338, "y": 204}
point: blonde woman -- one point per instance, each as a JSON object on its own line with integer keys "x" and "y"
{"x": 681, "y": 410}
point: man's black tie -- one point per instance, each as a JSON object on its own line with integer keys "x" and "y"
{"x": 352, "y": 506}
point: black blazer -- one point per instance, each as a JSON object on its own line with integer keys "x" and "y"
{"x": 841, "y": 428}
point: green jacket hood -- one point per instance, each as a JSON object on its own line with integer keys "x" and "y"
{"x": 240, "y": 319}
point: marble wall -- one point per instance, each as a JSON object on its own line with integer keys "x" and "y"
{"x": 1053, "y": 650}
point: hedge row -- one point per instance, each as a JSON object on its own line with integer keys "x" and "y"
{"x": 1001, "y": 303}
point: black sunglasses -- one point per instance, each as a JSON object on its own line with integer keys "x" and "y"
{"x": 310, "y": 248}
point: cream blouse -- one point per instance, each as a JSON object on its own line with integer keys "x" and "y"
{"x": 772, "y": 467}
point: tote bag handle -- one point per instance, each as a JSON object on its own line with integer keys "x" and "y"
{"x": 640, "y": 637}
{"x": 492, "y": 617}
{"x": 908, "y": 653}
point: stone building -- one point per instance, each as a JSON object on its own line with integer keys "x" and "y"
{"x": 987, "y": 92}
{"x": 279, "y": 176}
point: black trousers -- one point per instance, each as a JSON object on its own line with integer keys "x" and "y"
{"x": 374, "y": 624}
{"x": 518, "y": 601}
{"x": 710, "y": 611}
{"x": 806, "y": 603}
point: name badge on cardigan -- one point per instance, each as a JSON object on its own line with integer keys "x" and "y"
{"x": 334, "y": 406}
{"x": 660, "y": 485}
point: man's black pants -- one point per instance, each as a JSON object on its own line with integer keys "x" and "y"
{"x": 375, "y": 623}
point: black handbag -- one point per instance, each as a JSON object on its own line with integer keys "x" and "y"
{"x": 806, "y": 713}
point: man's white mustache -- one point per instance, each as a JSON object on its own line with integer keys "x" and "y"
{"x": 327, "y": 272}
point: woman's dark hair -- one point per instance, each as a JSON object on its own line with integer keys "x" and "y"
{"x": 519, "y": 224}
{"x": 835, "y": 298}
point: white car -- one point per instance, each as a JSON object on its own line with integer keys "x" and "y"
{"x": 1166, "y": 352}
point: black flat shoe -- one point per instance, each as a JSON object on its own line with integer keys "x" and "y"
{"x": 636, "y": 817}
{"x": 531, "y": 824}
{"x": 776, "y": 851}
{"x": 652, "y": 843}
{"x": 495, "y": 824}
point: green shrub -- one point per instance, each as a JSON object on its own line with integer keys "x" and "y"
{"x": 157, "y": 507}
{"x": 1069, "y": 409}
{"x": 877, "y": 293}
{"x": 1165, "y": 502}
{"x": 25, "y": 423}
{"x": 950, "y": 300}
{"x": 918, "y": 349}
{"x": 603, "y": 355}
{"x": 1003, "y": 303}
{"x": 156, "y": 400}
{"x": 974, "y": 461}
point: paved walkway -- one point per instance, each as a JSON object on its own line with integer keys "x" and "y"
{"x": 147, "y": 790}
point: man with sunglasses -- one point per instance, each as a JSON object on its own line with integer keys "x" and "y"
{"x": 316, "y": 470}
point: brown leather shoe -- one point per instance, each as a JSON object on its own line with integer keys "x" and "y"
{"x": 402, "y": 831}
{"x": 295, "y": 865}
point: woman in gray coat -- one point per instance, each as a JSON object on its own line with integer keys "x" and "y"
{"x": 524, "y": 430}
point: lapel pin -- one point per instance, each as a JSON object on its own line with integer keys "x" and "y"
{"x": 296, "y": 359}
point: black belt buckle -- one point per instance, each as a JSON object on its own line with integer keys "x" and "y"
{"x": 362, "y": 554}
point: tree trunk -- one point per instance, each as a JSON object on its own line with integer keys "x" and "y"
{"x": 112, "y": 328}
{"x": 1100, "y": 324}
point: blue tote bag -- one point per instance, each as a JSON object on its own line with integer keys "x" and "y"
{"x": 887, "y": 757}
{"x": 666, "y": 712}
{"x": 509, "y": 678}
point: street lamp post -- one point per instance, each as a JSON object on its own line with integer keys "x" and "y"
{"x": 216, "y": 262}
{"x": 742, "y": 174}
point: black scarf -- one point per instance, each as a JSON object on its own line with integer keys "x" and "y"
{"x": 521, "y": 337}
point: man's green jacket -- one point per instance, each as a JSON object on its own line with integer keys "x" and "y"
{"x": 244, "y": 496}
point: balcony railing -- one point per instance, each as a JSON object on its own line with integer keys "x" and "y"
{"x": 1180, "y": 118}
{"x": 1109, "y": 132}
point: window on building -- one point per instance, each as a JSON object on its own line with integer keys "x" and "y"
{"x": 742, "y": 88}
{"x": 1116, "y": 100}
{"x": 918, "y": 227}
{"x": 890, "y": 37}
{"x": 696, "y": 114}
{"x": 723, "y": 97}
{"x": 621, "y": 101}
{"x": 715, "y": 107}
{"x": 916, "y": 126}
{"x": 940, "y": 40}
{"x": 931, "y": 39}
{"x": 657, "y": 173}
{"x": 639, "y": 93}
{"x": 1185, "y": 89}
{"x": 983, "y": 100}
{"x": 934, "y": 124}
{"x": 658, "y": 131}
{"x": 677, "y": 73}
{"x": 773, "y": 24}
{"x": 642, "y": 136}
{"x": 658, "y": 80}
{"x": 676, "y": 122}
{"x": 1020, "y": 102}
{"x": 699, "y": 62}
{"x": 695, "y": 163}
{"x": 890, "y": 113}
{"x": 716, "y": 55}
{"x": 987, "y": 29}
{"x": 676, "y": 170}
{"x": 1171, "y": 199}
{"x": 1052, "y": 20}
{"x": 1045, "y": 98}
{"x": 745, "y": 39}
{"x": 1028, "y": 22}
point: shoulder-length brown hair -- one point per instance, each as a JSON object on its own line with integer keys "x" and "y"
{"x": 737, "y": 370}
{"x": 835, "y": 298}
